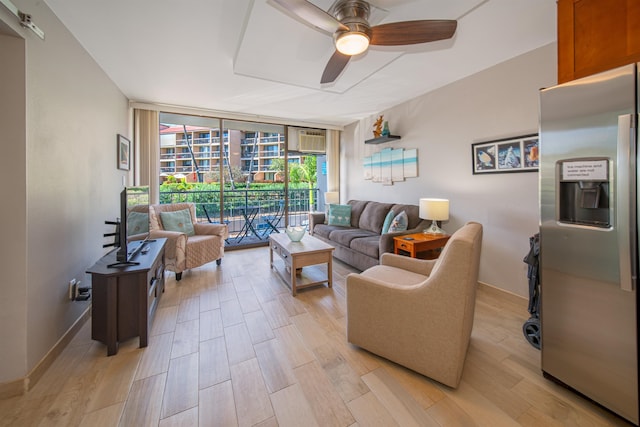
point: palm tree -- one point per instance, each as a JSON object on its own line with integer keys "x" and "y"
{"x": 309, "y": 170}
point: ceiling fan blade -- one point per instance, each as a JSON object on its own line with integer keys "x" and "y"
{"x": 334, "y": 67}
{"x": 312, "y": 14}
{"x": 412, "y": 32}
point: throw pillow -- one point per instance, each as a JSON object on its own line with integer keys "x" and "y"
{"x": 137, "y": 223}
{"x": 387, "y": 222}
{"x": 340, "y": 215}
{"x": 399, "y": 223}
{"x": 178, "y": 221}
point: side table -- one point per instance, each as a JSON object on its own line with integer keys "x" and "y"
{"x": 420, "y": 245}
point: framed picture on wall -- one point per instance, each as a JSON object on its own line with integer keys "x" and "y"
{"x": 124, "y": 153}
{"x": 516, "y": 154}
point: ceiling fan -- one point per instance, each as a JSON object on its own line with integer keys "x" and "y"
{"x": 347, "y": 20}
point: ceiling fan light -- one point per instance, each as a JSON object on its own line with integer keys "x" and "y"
{"x": 352, "y": 43}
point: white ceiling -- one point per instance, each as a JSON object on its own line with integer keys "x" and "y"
{"x": 250, "y": 58}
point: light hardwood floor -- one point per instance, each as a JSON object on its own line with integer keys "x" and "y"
{"x": 231, "y": 346}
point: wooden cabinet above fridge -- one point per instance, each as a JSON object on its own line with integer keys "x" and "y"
{"x": 596, "y": 35}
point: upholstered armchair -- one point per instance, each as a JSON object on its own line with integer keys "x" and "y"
{"x": 419, "y": 313}
{"x": 190, "y": 244}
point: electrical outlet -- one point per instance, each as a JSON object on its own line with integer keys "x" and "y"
{"x": 73, "y": 289}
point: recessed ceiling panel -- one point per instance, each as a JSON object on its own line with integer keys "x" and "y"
{"x": 273, "y": 38}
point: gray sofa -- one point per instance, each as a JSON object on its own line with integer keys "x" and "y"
{"x": 361, "y": 244}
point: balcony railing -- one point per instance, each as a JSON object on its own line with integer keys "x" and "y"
{"x": 264, "y": 203}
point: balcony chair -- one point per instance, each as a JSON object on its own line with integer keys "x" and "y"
{"x": 186, "y": 248}
{"x": 272, "y": 220}
{"x": 419, "y": 313}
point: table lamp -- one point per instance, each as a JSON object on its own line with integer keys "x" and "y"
{"x": 435, "y": 210}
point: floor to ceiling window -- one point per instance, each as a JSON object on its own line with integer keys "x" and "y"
{"x": 239, "y": 173}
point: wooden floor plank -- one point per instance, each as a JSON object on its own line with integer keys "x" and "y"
{"x": 209, "y": 300}
{"x": 344, "y": 379}
{"x": 231, "y": 312}
{"x": 115, "y": 381}
{"x": 181, "y": 419}
{"x": 186, "y": 338}
{"x": 277, "y": 316}
{"x": 144, "y": 402}
{"x": 258, "y": 327}
{"x": 327, "y": 405}
{"x": 105, "y": 417}
{"x": 155, "y": 358}
{"x": 239, "y": 346}
{"x": 213, "y": 367}
{"x": 274, "y": 365}
{"x": 211, "y": 325}
{"x": 292, "y": 409}
{"x": 217, "y": 407}
{"x": 368, "y": 410}
{"x": 404, "y": 410}
{"x": 181, "y": 392}
{"x": 294, "y": 347}
{"x": 248, "y": 301}
{"x": 189, "y": 309}
{"x": 250, "y": 393}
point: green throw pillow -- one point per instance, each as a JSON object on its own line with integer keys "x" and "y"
{"x": 399, "y": 223}
{"x": 178, "y": 221}
{"x": 137, "y": 223}
{"x": 387, "y": 222}
{"x": 340, "y": 215}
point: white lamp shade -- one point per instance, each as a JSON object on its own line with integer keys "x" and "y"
{"x": 434, "y": 209}
{"x": 331, "y": 197}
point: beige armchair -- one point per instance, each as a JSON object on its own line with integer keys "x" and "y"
{"x": 419, "y": 313}
{"x": 185, "y": 252}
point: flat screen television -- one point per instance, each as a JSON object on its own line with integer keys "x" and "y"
{"x": 133, "y": 231}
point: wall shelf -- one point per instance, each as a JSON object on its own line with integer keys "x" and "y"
{"x": 382, "y": 139}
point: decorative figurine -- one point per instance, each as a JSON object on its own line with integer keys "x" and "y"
{"x": 385, "y": 128}
{"x": 377, "y": 128}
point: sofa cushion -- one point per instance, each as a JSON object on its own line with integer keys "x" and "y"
{"x": 339, "y": 215}
{"x": 399, "y": 223}
{"x": 387, "y": 221}
{"x": 137, "y": 223}
{"x": 369, "y": 246}
{"x": 357, "y": 206}
{"x": 373, "y": 216}
{"x": 344, "y": 236}
{"x": 324, "y": 230}
{"x": 178, "y": 221}
{"x": 397, "y": 276}
{"x": 412, "y": 214}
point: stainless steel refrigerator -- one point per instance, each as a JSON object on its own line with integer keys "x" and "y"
{"x": 589, "y": 237}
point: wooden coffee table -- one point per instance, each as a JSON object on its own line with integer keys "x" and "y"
{"x": 309, "y": 251}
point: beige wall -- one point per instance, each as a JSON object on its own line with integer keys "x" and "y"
{"x": 13, "y": 216}
{"x": 64, "y": 184}
{"x": 501, "y": 101}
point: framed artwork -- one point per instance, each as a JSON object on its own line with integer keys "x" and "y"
{"x": 516, "y": 154}
{"x": 124, "y": 153}
{"x": 391, "y": 165}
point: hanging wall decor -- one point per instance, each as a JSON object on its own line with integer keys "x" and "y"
{"x": 516, "y": 154}
{"x": 123, "y": 153}
{"x": 391, "y": 165}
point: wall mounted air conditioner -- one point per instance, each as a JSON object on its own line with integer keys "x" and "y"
{"x": 311, "y": 141}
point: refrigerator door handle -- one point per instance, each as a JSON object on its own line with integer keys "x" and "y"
{"x": 625, "y": 193}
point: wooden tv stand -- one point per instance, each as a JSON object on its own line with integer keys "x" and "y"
{"x": 124, "y": 299}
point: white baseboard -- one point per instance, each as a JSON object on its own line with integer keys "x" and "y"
{"x": 510, "y": 296}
